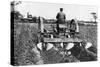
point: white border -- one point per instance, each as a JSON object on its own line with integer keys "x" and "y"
{"x": 5, "y": 32}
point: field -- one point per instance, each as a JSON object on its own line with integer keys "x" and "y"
{"x": 25, "y": 39}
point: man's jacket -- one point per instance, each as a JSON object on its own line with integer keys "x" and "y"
{"x": 61, "y": 17}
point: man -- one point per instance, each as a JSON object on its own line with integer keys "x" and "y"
{"x": 72, "y": 28}
{"x": 60, "y": 18}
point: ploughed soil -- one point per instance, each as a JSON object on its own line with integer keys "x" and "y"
{"x": 25, "y": 40}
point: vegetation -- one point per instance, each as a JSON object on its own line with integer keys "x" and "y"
{"x": 25, "y": 39}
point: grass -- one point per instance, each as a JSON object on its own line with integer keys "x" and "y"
{"x": 25, "y": 39}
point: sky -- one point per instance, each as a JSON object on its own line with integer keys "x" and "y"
{"x": 50, "y": 10}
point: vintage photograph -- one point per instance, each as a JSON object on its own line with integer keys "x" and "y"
{"x": 52, "y": 33}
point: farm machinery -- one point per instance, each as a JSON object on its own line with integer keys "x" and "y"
{"x": 64, "y": 42}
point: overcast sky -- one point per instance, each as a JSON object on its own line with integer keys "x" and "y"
{"x": 50, "y": 10}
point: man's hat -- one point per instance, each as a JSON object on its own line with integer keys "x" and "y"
{"x": 61, "y": 9}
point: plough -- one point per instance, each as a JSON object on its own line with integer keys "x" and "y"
{"x": 50, "y": 39}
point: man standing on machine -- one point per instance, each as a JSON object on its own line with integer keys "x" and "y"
{"x": 60, "y": 18}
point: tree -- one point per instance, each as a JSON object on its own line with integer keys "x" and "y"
{"x": 94, "y": 16}
{"x": 14, "y": 13}
{"x": 13, "y": 4}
